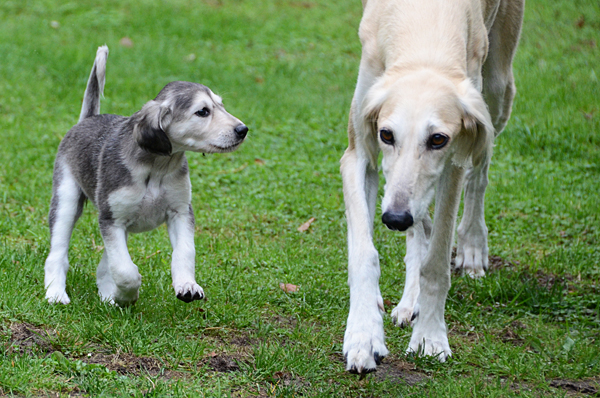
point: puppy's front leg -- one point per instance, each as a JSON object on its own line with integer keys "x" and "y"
{"x": 118, "y": 278}
{"x": 181, "y": 232}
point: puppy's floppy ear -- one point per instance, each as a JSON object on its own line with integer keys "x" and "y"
{"x": 477, "y": 132}
{"x": 150, "y": 126}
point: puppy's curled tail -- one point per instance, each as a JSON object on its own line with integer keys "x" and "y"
{"x": 95, "y": 85}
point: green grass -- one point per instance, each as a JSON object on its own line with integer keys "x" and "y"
{"x": 287, "y": 69}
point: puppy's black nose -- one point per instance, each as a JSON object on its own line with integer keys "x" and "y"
{"x": 241, "y": 130}
{"x": 397, "y": 221}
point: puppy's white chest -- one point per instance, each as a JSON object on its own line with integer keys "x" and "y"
{"x": 140, "y": 208}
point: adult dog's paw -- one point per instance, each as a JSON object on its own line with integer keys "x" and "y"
{"x": 364, "y": 346}
{"x": 472, "y": 260}
{"x": 429, "y": 344}
{"x": 188, "y": 292}
{"x": 472, "y": 250}
{"x": 404, "y": 315}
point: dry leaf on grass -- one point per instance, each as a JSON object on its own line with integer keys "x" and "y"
{"x": 306, "y": 225}
{"x": 259, "y": 161}
{"x": 288, "y": 287}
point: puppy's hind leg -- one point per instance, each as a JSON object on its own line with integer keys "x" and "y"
{"x": 65, "y": 208}
{"x": 116, "y": 266}
{"x": 106, "y": 285}
{"x": 181, "y": 232}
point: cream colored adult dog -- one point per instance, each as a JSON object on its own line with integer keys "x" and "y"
{"x": 427, "y": 70}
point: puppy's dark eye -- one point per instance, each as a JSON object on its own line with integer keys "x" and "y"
{"x": 437, "y": 141}
{"x": 386, "y": 136}
{"x": 204, "y": 112}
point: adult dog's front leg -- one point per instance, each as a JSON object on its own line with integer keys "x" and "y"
{"x": 429, "y": 335}
{"x": 118, "y": 278}
{"x": 364, "y": 345}
{"x": 181, "y": 233}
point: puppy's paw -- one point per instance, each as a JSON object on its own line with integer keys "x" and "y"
{"x": 404, "y": 315}
{"x": 188, "y": 292}
{"x": 57, "y": 297}
{"x": 124, "y": 301}
{"x": 364, "y": 346}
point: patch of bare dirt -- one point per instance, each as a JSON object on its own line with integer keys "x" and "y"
{"x": 397, "y": 371}
{"x": 31, "y": 340}
{"x": 26, "y": 338}
{"x": 129, "y": 364}
{"x": 223, "y": 363}
{"x": 587, "y": 387}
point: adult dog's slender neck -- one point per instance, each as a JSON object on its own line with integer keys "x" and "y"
{"x": 439, "y": 44}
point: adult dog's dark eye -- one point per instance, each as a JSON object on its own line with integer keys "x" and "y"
{"x": 204, "y": 112}
{"x": 386, "y": 136}
{"x": 437, "y": 141}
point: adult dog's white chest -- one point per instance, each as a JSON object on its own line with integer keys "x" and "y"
{"x": 150, "y": 202}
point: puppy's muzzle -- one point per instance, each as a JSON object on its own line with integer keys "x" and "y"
{"x": 397, "y": 221}
{"x": 241, "y": 131}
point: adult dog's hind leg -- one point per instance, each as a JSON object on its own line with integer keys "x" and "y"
{"x": 498, "y": 91}
{"x": 65, "y": 208}
{"x": 181, "y": 232}
{"x": 472, "y": 248}
{"x": 364, "y": 345}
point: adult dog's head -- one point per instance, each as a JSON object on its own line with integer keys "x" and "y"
{"x": 187, "y": 116}
{"x": 423, "y": 121}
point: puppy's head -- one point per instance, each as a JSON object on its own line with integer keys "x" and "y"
{"x": 187, "y": 117}
{"x": 424, "y": 121}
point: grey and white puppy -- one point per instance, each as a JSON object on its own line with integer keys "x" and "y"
{"x": 134, "y": 170}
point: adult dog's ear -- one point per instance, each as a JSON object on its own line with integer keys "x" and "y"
{"x": 369, "y": 115}
{"x": 477, "y": 132}
{"x": 150, "y": 126}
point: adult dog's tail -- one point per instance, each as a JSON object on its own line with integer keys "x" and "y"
{"x": 95, "y": 85}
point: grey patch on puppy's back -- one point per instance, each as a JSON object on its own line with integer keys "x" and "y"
{"x": 82, "y": 145}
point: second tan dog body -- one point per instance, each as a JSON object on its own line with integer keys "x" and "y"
{"x": 435, "y": 87}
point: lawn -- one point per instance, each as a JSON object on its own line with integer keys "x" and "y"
{"x": 530, "y": 328}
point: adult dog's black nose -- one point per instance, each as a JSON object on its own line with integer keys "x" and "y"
{"x": 241, "y": 130}
{"x": 397, "y": 221}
